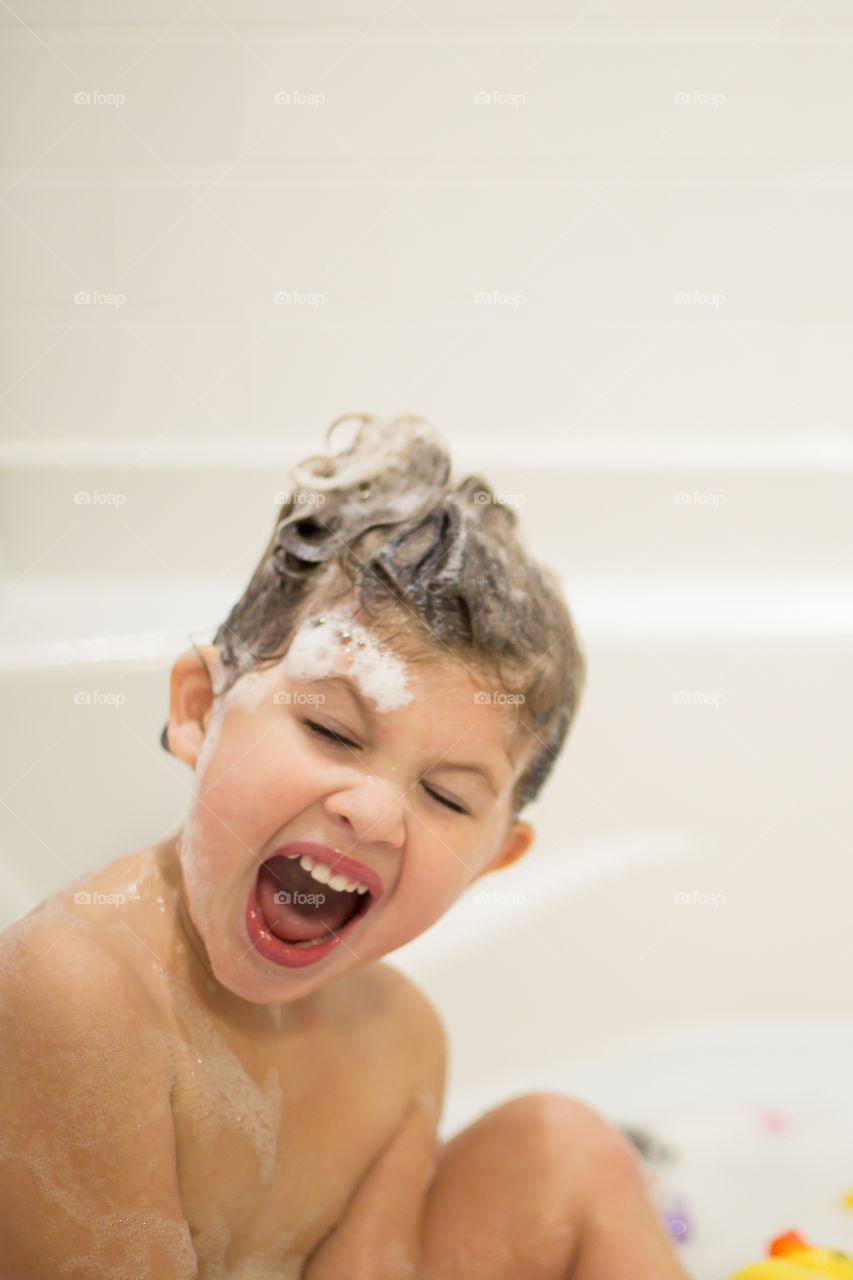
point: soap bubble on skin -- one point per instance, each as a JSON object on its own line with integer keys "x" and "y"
{"x": 326, "y": 644}
{"x": 212, "y": 1245}
{"x": 135, "y": 1229}
{"x": 259, "y": 1268}
{"x": 250, "y": 690}
{"x": 224, "y": 1094}
{"x": 52, "y": 1145}
{"x": 190, "y": 841}
{"x": 322, "y": 640}
{"x": 211, "y": 1248}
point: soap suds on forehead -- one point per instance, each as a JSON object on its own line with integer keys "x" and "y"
{"x": 316, "y": 651}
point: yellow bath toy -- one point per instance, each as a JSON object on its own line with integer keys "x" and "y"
{"x": 791, "y": 1257}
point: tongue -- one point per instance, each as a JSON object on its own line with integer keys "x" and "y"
{"x": 295, "y": 906}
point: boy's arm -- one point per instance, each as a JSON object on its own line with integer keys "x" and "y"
{"x": 88, "y": 1179}
{"x": 380, "y": 1231}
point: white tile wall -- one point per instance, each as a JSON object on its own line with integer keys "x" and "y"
{"x": 587, "y": 207}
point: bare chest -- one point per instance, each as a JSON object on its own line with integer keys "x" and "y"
{"x": 273, "y": 1139}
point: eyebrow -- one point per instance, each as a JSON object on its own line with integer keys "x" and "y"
{"x": 370, "y": 713}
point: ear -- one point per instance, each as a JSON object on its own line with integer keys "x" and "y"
{"x": 517, "y": 841}
{"x": 191, "y": 700}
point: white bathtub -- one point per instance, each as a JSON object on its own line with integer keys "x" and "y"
{"x": 688, "y": 900}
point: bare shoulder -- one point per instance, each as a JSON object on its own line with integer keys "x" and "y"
{"x": 410, "y": 1003}
{"x": 59, "y": 961}
{"x": 422, "y": 1030}
{"x": 69, "y": 999}
{"x": 99, "y": 939}
{"x": 399, "y": 1029}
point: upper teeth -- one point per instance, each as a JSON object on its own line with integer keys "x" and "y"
{"x": 320, "y": 871}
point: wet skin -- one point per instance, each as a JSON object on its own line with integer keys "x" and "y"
{"x": 282, "y": 1086}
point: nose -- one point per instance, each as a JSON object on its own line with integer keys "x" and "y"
{"x": 372, "y": 811}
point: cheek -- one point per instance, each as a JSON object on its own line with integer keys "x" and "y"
{"x": 430, "y": 885}
{"x": 252, "y": 784}
{"x": 236, "y": 793}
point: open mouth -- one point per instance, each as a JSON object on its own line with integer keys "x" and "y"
{"x": 299, "y": 908}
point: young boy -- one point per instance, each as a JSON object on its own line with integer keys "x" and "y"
{"x": 207, "y": 1069}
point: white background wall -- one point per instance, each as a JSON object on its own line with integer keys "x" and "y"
{"x": 592, "y": 194}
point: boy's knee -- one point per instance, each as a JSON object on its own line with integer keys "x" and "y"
{"x": 564, "y": 1129}
{"x": 514, "y": 1191}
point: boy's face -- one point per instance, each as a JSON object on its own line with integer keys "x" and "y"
{"x": 390, "y": 806}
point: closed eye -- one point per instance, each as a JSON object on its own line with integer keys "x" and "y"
{"x": 328, "y": 733}
{"x": 323, "y": 732}
{"x": 451, "y": 804}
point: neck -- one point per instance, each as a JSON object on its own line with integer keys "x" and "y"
{"x": 197, "y": 962}
{"x": 186, "y": 933}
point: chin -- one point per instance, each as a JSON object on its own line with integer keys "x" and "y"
{"x": 252, "y": 979}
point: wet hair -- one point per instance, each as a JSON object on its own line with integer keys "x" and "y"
{"x": 434, "y": 567}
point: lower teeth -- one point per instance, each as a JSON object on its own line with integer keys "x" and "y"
{"x": 313, "y": 942}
